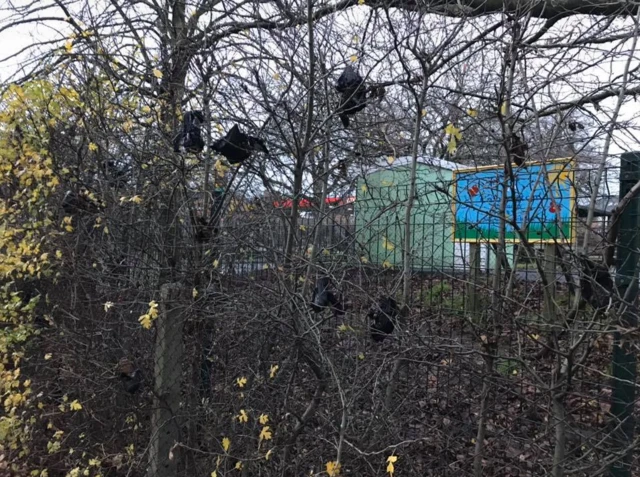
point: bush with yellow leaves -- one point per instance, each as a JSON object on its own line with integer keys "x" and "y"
{"x": 27, "y": 227}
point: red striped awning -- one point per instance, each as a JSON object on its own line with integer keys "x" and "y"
{"x": 306, "y": 203}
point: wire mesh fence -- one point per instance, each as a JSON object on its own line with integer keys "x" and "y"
{"x": 251, "y": 353}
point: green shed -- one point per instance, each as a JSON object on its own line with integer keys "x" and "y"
{"x": 380, "y": 210}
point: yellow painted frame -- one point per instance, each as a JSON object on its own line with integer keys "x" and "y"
{"x": 570, "y": 161}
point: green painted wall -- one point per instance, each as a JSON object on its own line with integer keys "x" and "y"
{"x": 380, "y": 218}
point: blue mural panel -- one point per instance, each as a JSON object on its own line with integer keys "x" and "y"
{"x": 541, "y": 203}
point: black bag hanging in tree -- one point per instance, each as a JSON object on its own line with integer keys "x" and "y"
{"x": 191, "y": 136}
{"x": 353, "y": 94}
{"x": 237, "y": 146}
{"x": 382, "y": 317}
{"x": 323, "y": 298}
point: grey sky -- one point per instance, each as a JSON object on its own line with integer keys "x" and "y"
{"x": 15, "y": 40}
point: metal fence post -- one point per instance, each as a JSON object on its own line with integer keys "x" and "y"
{"x": 473, "y": 302}
{"x": 550, "y": 274}
{"x": 165, "y": 421}
{"x": 623, "y": 359}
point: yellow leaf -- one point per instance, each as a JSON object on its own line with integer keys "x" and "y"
{"x": 214, "y": 474}
{"x": 303, "y": 228}
{"x": 424, "y": 112}
{"x": 535, "y": 337}
{"x": 503, "y": 109}
{"x": 386, "y": 264}
{"x": 265, "y": 266}
{"x": 75, "y": 405}
{"x": 356, "y": 38}
{"x": 453, "y": 131}
{"x": 226, "y": 444}
{"x": 391, "y": 160}
{"x": 472, "y": 112}
{"x": 48, "y": 356}
{"x": 361, "y": 356}
{"x": 68, "y": 46}
{"x": 241, "y": 382}
{"x": 325, "y": 251}
{"x": 243, "y": 416}
{"x": 220, "y": 168}
{"x": 387, "y": 244}
{"x": 107, "y": 306}
{"x": 157, "y": 73}
{"x": 145, "y": 321}
{"x": 276, "y": 76}
{"x": 353, "y": 58}
{"x": 273, "y": 371}
{"x": 360, "y": 2}
{"x": 93, "y": 147}
{"x": 239, "y": 465}
{"x": 390, "y": 461}
{"x": 263, "y": 419}
{"x": 333, "y": 469}
{"x": 194, "y": 293}
{"x": 364, "y": 188}
{"x": 343, "y": 327}
{"x": 216, "y": 263}
{"x": 364, "y": 259}
{"x": 265, "y": 434}
{"x": 268, "y": 454}
{"x": 136, "y": 199}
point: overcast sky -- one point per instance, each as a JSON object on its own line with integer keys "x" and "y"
{"x": 13, "y": 41}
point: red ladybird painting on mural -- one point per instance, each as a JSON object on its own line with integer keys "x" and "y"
{"x": 473, "y": 190}
{"x": 554, "y": 208}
